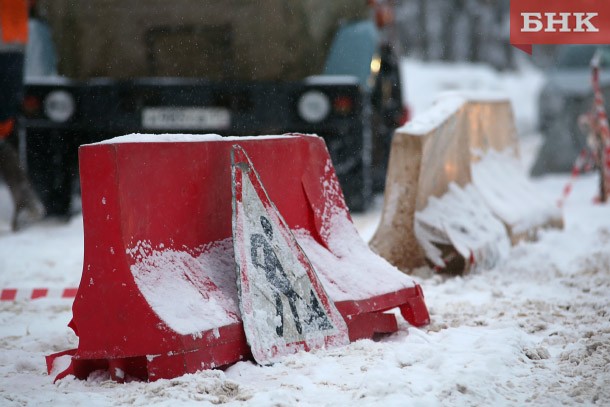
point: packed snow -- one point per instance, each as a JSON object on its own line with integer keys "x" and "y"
{"x": 180, "y": 138}
{"x": 208, "y": 299}
{"x": 510, "y": 195}
{"x": 429, "y": 119}
{"x": 461, "y": 218}
{"x": 535, "y": 329}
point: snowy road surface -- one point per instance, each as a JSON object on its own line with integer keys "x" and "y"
{"x": 535, "y": 329}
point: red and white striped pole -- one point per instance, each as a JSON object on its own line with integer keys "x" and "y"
{"x": 582, "y": 164}
{"x": 15, "y": 294}
{"x": 602, "y": 130}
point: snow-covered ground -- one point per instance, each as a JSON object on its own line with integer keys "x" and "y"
{"x": 534, "y": 330}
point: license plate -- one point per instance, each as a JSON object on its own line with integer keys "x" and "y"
{"x": 183, "y": 118}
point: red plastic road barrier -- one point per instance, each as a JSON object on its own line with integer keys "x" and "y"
{"x": 14, "y": 294}
{"x": 158, "y": 296}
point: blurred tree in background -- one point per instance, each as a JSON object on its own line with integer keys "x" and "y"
{"x": 461, "y": 30}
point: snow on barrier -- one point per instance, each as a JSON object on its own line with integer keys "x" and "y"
{"x": 158, "y": 296}
{"x": 455, "y": 194}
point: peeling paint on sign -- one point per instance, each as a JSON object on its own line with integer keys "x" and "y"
{"x": 283, "y": 304}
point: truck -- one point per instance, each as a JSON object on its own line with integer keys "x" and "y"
{"x": 228, "y": 67}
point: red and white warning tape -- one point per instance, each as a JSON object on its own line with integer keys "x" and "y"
{"x": 584, "y": 163}
{"x": 14, "y": 294}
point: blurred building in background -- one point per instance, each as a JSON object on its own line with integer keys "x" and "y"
{"x": 462, "y": 30}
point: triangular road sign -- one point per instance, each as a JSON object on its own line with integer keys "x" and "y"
{"x": 283, "y": 304}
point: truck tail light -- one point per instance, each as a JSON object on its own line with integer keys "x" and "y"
{"x": 31, "y": 105}
{"x": 343, "y": 105}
